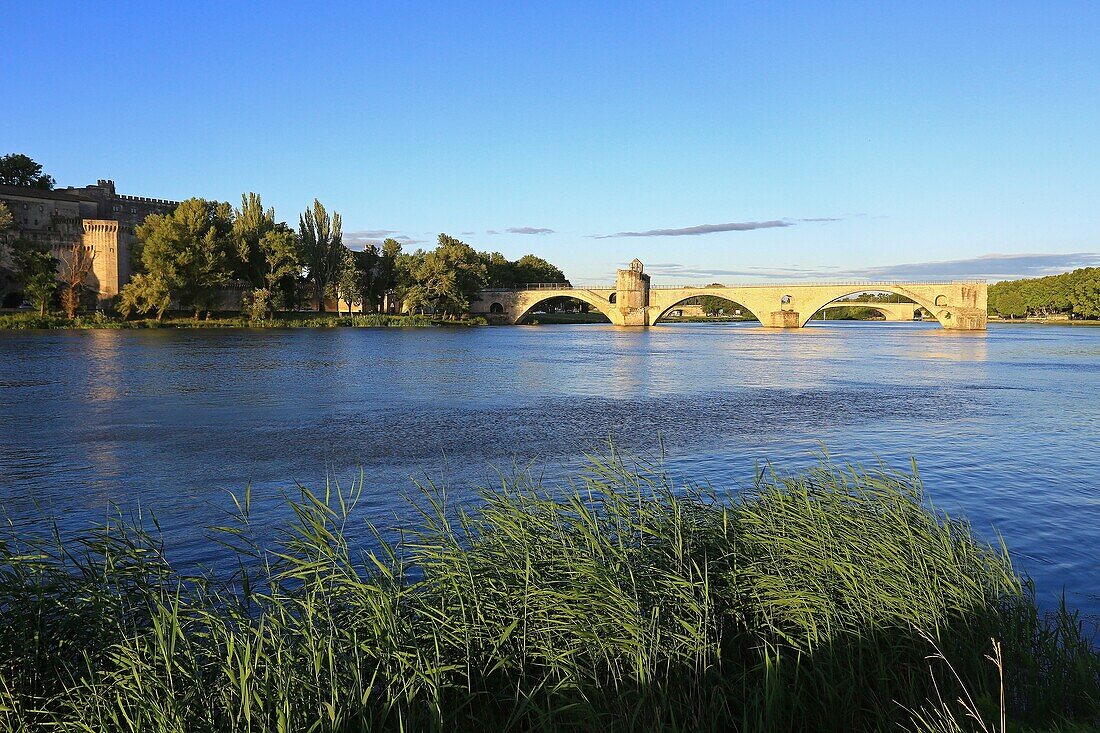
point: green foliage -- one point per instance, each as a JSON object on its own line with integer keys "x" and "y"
{"x": 188, "y": 250}
{"x": 712, "y": 305}
{"x": 387, "y": 277}
{"x": 31, "y": 322}
{"x": 1076, "y": 294}
{"x": 17, "y": 169}
{"x": 321, "y": 241}
{"x": 352, "y": 285}
{"x": 532, "y": 269}
{"x": 375, "y": 272}
{"x": 256, "y": 304}
{"x": 36, "y": 270}
{"x": 144, "y": 293}
{"x": 503, "y": 273}
{"x": 444, "y": 279}
{"x": 251, "y": 223}
{"x": 447, "y": 278}
{"x": 622, "y": 603}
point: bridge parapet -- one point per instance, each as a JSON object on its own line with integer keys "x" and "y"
{"x": 634, "y": 301}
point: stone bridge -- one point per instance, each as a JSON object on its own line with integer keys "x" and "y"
{"x": 634, "y": 302}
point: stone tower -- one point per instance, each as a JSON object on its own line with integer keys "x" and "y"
{"x": 632, "y": 294}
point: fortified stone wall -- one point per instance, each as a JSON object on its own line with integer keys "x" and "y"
{"x": 96, "y": 215}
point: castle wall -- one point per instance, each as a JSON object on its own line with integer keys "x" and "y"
{"x": 96, "y": 215}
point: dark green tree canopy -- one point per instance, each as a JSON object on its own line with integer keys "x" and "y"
{"x": 1076, "y": 294}
{"x": 188, "y": 250}
{"x": 447, "y": 278}
{"x": 323, "y": 249}
{"x": 532, "y": 269}
{"x": 251, "y": 223}
{"x": 17, "y": 169}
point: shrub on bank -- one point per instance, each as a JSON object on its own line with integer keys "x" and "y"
{"x": 809, "y": 603}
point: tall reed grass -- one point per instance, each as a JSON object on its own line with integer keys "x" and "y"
{"x": 620, "y": 603}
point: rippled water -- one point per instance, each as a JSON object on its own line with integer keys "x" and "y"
{"x": 1005, "y": 425}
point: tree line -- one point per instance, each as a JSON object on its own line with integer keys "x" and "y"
{"x": 190, "y": 257}
{"x": 1075, "y": 294}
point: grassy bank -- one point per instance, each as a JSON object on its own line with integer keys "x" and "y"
{"x": 32, "y": 321}
{"x": 811, "y": 603}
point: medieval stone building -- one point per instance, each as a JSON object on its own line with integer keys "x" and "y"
{"x": 96, "y": 216}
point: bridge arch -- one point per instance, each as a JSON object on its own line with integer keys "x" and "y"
{"x": 593, "y": 300}
{"x": 889, "y": 310}
{"x": 714, "y": 293}
{"x": 939, "y": 313}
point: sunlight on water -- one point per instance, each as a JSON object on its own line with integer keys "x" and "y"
{"x": 1003, "y": 424}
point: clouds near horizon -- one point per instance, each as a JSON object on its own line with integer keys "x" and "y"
{"x": 735, "y": 226}
{"x": 991, "y": 267}
{"x": 376, "y": 237}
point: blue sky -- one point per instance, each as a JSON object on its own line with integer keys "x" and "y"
{"x": 727, "y": 141}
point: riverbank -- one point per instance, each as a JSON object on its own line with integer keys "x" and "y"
{"x": 829, "y": 600}
{"x": 1044, "y": 321}
{"x": 33, "y": 321}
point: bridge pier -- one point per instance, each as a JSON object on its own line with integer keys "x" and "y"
{"x": 632, "y": 296}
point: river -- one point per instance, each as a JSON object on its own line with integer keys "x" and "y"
{"x": 1004, "y": 425}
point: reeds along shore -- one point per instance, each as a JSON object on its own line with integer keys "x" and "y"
{"x": 830, "y": 600}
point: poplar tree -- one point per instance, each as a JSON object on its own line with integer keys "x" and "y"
{"x": 322, "y": 249}
{"x": 251, "y": 222}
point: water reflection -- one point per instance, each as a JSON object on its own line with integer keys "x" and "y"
{"x": 176, "y": 419}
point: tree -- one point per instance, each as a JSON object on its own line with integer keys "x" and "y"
{"x": 712, "y": 305}
{"x": 187, "y": 250}
{"x": 532, "y": 269}
{"x": 349, "y": 284}
{"x": 282, "y": 263}
{"x": 74, "y": 275}
{"x": 1076, "y": 294}
{"x": 500, "y": 273}
{"x": 445, "y": 279}
{"x": 386, "y": 276}
{"x": 1012, "y": 304}
{"x": 17, "y": 169}
{"x": 434, "y": 284}
{"x": 251, "y": 223}
{"x": 322, "y": 249}
{"x": 144, "y": 293}
{"x": 36, "y": 270}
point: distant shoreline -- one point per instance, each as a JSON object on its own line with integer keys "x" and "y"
{"x": 1045, "y": 322}
{"x": 34, "y": 322}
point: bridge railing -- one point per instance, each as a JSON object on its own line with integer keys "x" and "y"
{"x": 538, "y": 286}
{"x": 869, "y": 284}
{"x": 820, "y": 283}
